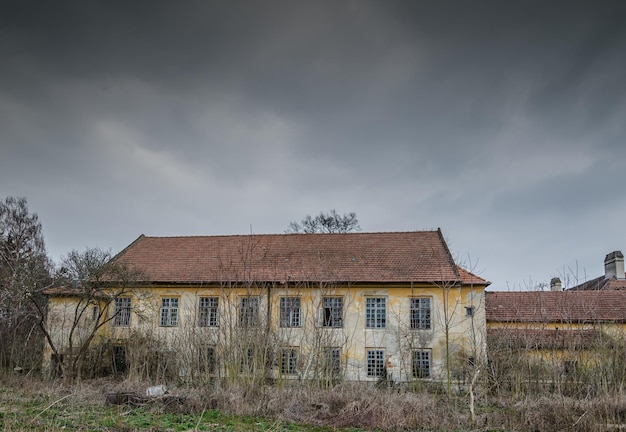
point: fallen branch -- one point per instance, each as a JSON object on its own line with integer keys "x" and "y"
{"x": 50, "y": 406}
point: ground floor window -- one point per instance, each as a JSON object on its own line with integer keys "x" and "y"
{"x": 420, "y": 360}
{"x": 289, "y": 361}
{"x": 332, "y": 362}
{"x": 119, "y": 359}
{"x": 207, "y": 361}
{"x": 375, "y": 363}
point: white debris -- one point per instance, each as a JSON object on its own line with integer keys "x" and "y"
{"x": 158, "y": 390}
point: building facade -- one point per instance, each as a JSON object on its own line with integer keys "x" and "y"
{"x": 358, "y": 306}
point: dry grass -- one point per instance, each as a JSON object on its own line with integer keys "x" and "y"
{"x": 31, "y": 404}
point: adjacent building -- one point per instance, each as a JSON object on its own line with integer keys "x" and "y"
{"x": 562, "y": 327}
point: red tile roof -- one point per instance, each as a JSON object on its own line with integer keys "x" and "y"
{"x": 556, "y": 306}
{"x": 515, "y": 338}
{"x": 468, "y": 278}
{"x": 419, "y": 256}
{"x": 601, "y": 283}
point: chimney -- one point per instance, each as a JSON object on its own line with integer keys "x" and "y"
{"x": 614, "y": 265}
{"x": 555, "y": 284}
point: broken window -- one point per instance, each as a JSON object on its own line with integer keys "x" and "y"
{"x": 375, "y": 363}
{"x": 332, "y": 312}
{"x": 121, "y": 310}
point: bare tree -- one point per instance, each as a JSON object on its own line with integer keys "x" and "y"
{"x": 331, "y": 222}
{"x": 87, "y": 286}
{"x": 24, "y": 268}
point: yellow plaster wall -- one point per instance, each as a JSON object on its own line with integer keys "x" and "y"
{"x": 465, "y": 335}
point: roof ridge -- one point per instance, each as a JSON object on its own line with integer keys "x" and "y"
{"x": 361, "y": 233}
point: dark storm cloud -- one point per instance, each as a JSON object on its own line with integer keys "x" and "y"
{"x": 150, "y": 116}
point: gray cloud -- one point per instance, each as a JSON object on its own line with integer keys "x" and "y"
{"x": 500, "y": 122}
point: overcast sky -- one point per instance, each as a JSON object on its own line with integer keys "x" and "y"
{"x": 502, "y": 122}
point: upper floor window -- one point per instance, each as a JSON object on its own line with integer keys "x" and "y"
{"x": 469, "y": 311}
{"x": 290, "y": 312}
{"x": 121, "y": 311}
{"x": 376, "y": 312}
{"x": 169, "y": 312}
{"x": 375, "y": 363}
{"x": 208, "y": 312}
{"x": 420, "y": 313}
{"x": 248, "y": 311}
{"x": 332, "y": 311}
{"x": 420, "y": 362}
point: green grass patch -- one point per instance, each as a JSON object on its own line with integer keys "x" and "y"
{"x": 22, "y": 411}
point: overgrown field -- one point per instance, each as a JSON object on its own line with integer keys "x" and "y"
{"x": 28, "y": 404}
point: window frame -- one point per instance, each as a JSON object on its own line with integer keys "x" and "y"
{"x": 289, "y": 360}
{"x": 332, "y": 361}
{"x": 290, "y": 312}
{"x": 249, "y": 311}
{"x": 169, "y": 315}
{"x": 332, "y": 314}
{"x": 207, "y": 359}
{"x": 375, "y": 362}
{"x": 421, "y": 363}
{"x": 376, "y": 312}
{"x": 470, "y": 311}
{"x": 121, "y": 313}
{"x": 420, "y": 317}
{"x": 119, "y": 358}
{"x": 208, "y": 314}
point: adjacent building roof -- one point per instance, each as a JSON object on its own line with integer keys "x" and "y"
{"x": 522, "y": 338}
{"x": 418, "y": 256}
{"x": 601, "y": 283}
{"x": 556, "y": 306}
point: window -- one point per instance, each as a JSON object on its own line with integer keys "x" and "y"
{"x": 420, "y": 361}
{"x": 332, "y": 362}
{"x": 420, "y": 313}
{"x": 289, "y": 312}
{"x": 122, "y": 312}
{"x": 289, "y": 361}
{"x": 376, "y": 312}
{"x": 208, "y": 312}
{"x": 469, "y": 311}
{"x": 332, "y": 312}
{"x": 169, "y": 312}
{"x": 206, "y": 360}
{"x": 95, "y": 312}
{"x": 247, "y": 361}
{"x": 248, "y": 311}
{"x": 119, "y": 359}
{"x": 569, "y": 367}
{"x": 375, "y": 363}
